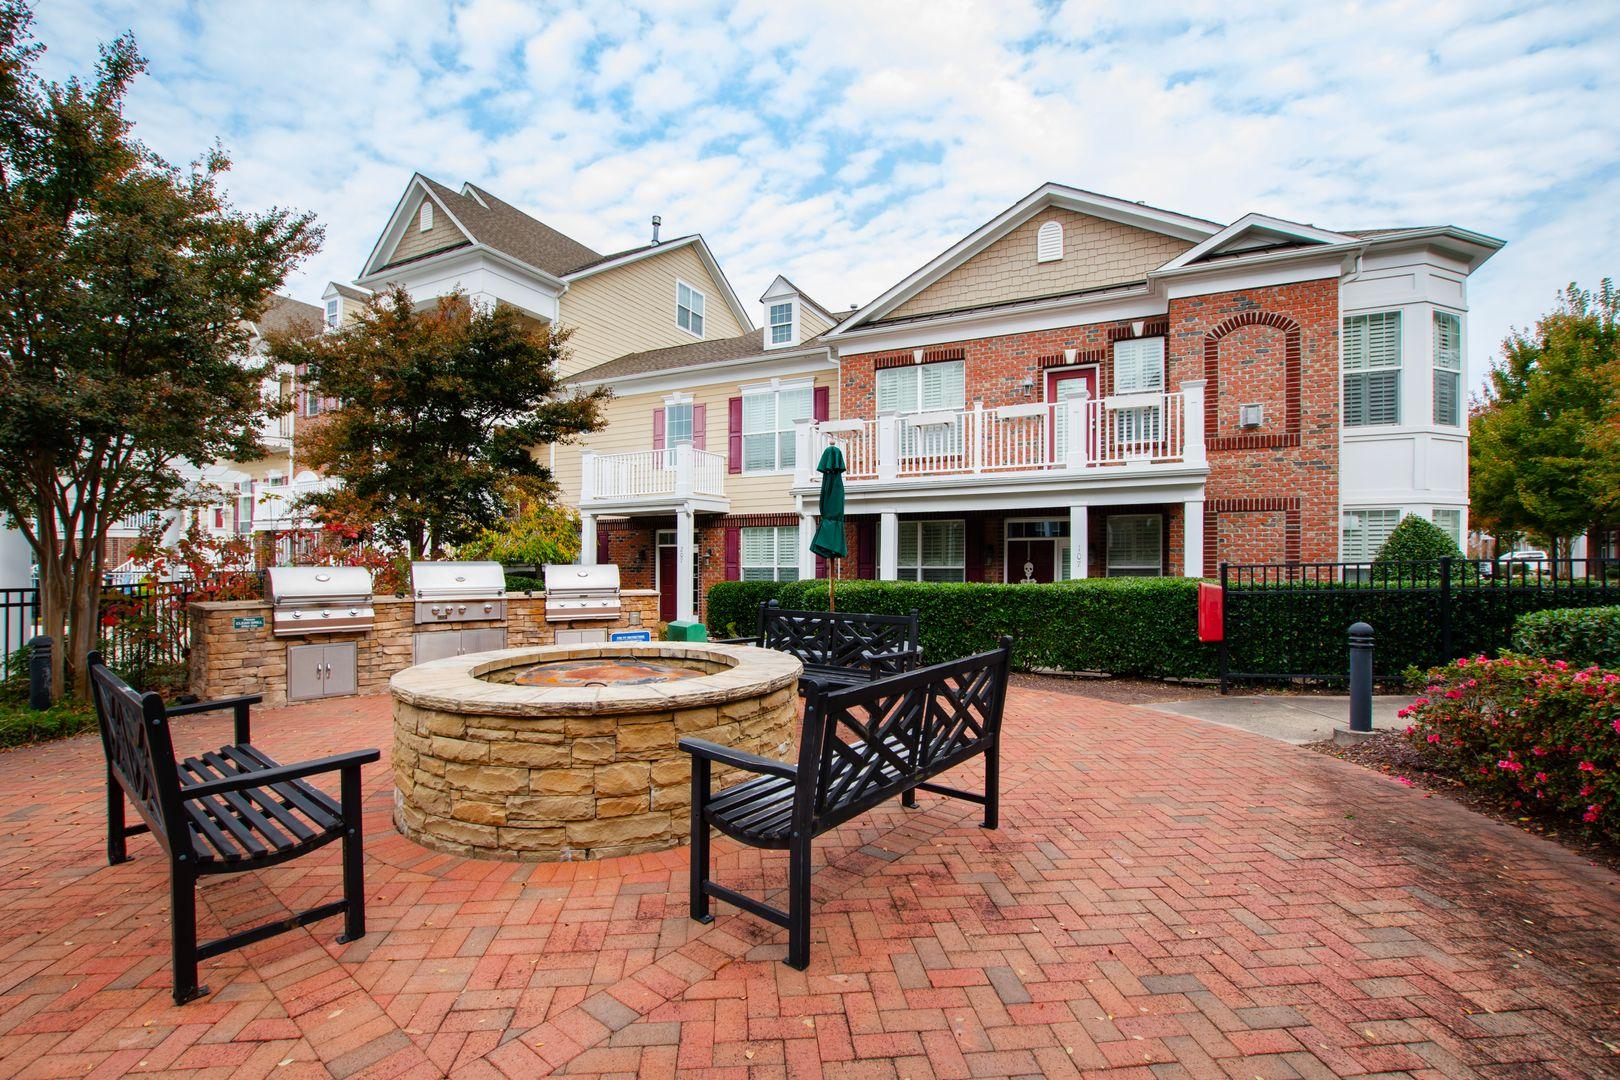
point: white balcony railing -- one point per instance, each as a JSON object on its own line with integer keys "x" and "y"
{"x": 676, "y": 474}
{"x": 1074, "y": 435}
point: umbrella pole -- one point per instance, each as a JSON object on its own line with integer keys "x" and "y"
{"x": 832, "y": 578}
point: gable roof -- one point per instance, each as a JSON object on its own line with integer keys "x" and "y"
{"x": 698, "y": 354}
{"x": 772, "y": 291}
{"x": 1254, "y": 233}
{"x": 285, "y": 313}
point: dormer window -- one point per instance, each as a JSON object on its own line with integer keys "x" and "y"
{"x": 332, "y": 314}
{"x": 1049, "y": 242}
{"x": 424, "y": 217}
{"x": 688, "y": 309}
{"x": 781, "y": 323}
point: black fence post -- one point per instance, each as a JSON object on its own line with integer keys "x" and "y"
{"x": 39, "y": 673}
{"x": 1445, "y": 609}
{"x": 1361, "y": 676}
{"x": 1225, "y": 629}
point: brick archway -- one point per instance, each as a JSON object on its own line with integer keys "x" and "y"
{"x": 1289, "y": 436}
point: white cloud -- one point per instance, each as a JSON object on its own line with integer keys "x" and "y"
{"x": 845, "y": 143}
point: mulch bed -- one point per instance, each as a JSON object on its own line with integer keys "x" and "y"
{"x": 1390, "y": 753}
{"x": 1125, "y": 691}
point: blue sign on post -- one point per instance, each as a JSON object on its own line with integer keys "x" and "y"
{"x": 630, "y": 635}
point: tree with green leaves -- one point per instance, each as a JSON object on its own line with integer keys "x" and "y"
{"x": 1415, "y": 539}
{"x": 126, "y": 287}
{"x": 1541, "y": 456}
{"x": 440, "y": 410}
{"x": 539, "y": 533}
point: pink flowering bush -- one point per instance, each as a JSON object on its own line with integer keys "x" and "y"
{"x": 1541, "y": 733}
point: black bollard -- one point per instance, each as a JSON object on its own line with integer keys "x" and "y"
{"x": 39, "y": 673}
{"x": 1361, "y": 676}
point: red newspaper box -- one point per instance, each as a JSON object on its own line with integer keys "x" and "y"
{"x": 1209, "y": 611}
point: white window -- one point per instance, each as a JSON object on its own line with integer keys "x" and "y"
{"x": 244, "y": 506}
{"x": 933, "y": 551}
{"x": 1450, "y": 523}
{"x": 1135, "y": 545}
{"x": 424, "y": 218}
{"x": 332, "y": 314}
{"x": 1365, "y": 532}
{"x": 1139, "y": 365}
{"x": 781, "y": 323}
{"x": 1372, "y": 369}
{"x": 688, "y": 308}
{"x": 770, "y": 554}
{"x": 937, "y": 387}
{"x": 1049, "y": 242}
{"x": 312, "y": 403}
{"x": 767, "y": 427}
{"x": 1447, "y": 369}
{"x": 677, "y": 427}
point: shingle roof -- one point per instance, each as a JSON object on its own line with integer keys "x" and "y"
{"x": 599, "y": 260}
{"x": 675, "y": 357}
{"x": 284, "y": 313}
{"x": 507, "y": 229}
{"x": 353, "y": 292}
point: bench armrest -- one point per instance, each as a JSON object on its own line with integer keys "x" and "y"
{"x": 901, "y": 659}
{"x": 239, "y": 705}
{"x": 740, "y": 759}
{"x": 280, "y": 774}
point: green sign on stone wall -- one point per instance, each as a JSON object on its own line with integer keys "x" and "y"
{"x": 247, "y": 622}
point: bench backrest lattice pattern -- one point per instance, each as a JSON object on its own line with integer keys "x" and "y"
{"x": 140, "y": 752}
{"x": 835, "y": 639}
{"x": 870, "y": 742}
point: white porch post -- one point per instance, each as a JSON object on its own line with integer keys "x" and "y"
{"x": 888, "y": 547}
{"x": 684, "y": 608}
{"x": 1192, "y": 537}
{"x": 1193, "y": 453}
{"x": 1076, "y": 413}
{"x": 807, "y": 533}
{"x": 888, "y": 448}
{"x": 1079, "y": 541}
{"x": 683, "y": 471}
{"x": 804, "y": 456}
{"x": 587, "y": 475}
{"x": 587, "y": 539}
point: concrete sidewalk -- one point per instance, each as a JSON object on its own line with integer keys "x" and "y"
{"x": 1290, "y": 718}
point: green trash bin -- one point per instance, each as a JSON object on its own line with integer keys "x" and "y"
{"x": 685, "y": 630}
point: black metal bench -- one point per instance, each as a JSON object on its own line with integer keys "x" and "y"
{"x": 838, "y": 648}
{"x": 859, "y": 746}
{"x": 222, "y": 812}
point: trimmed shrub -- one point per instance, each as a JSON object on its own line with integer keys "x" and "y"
{"x": 1122, "y": 626}
{"x": 1541, "y": 734}
{"x": 1581, "y": 636}
{"x": 1416, "y": 539}
{"x": 524, "y": 583}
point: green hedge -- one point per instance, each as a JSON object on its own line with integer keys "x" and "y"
{"x": 1123, "y": 626}
{"x": 1582, "y": 636}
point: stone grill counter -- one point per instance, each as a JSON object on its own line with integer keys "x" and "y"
{"x": 233, "y": 652}
{"x": 553, "y": 773}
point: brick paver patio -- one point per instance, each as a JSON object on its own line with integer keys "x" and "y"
{"x": 1164, "y": 899}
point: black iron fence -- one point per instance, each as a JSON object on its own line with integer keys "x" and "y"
{"x": 1288, "y": 621}
{"x": 145, "y": 630}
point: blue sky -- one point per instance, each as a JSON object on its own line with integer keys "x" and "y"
{"x": 844, "y": 144}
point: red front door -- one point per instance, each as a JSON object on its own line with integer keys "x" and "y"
{"x": 1061, "y": 385}
{"x": 666, "y": 582}
{"x": 1031, "y": 560}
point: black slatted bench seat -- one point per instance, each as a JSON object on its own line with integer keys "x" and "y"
{"x": 859, "y": 746}
{"x": 222, "y": 812}
{"x": 838, "y": 648}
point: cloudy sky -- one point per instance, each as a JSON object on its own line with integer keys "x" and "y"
{"x": 846, "y": 143}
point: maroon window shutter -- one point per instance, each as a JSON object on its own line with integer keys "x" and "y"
{"x": 604, "y": 553}
{"x": 733, "y": 553}
{"x": 974, "y": 549}
{"x": 866, "y": 550}
{"x": 734, "y": 438}
{"x": 820, "y": 402}
{"x": 658, "y": 429}
{"x": 700, "y": 421}
{"x": 821, "y": 567}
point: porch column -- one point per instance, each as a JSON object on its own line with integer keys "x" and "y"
{"x": 888, "y": 547}
{"x": 587, "y": 539}
{"x": 807, "y": 533}
{"x": 684, "y": 608}
{"x": 1192, "y": 538}
{"x": 1192, "y": 400}
{"x": 1079, "y": 541}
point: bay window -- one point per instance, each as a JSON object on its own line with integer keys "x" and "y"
{"x": 1447, "y": 369}
{"x": 1372, "y": 369}
{"x": 1364, "y": 532}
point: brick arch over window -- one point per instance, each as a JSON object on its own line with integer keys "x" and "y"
{"x": 1289, "y": 436}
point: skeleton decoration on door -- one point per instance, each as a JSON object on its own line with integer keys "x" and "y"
{"x": 1029, "y": 574}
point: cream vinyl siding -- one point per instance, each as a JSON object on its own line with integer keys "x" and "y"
{"x": 632, "y": 309}
{"x": 629, "y": 430}
{"x": 417, "y": 241}
{"x": 813, "y": 323}
{"x": 1095, "y": 253}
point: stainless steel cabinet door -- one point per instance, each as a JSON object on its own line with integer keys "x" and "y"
{"x": 306, "y": 672}
{"x": 342, "y": 669}
{"x": 484, "y": 640}
{"x": 434, "y": 645}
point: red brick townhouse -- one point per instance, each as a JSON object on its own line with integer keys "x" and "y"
{"x": 1089, "y": 386}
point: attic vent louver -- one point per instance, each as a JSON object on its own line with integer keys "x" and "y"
{"x": 1049, "y": 242}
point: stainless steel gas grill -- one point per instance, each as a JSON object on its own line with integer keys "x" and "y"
{"x": 456, "y": 592}
{"x": 319, "y": 599}
{"x": 581, "y": 592}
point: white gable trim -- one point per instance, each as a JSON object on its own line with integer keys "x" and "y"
{"x": 400, "y": 220}
{"x": 1257, "y": 225}
{"x": 783, "y": 287}
{"x": 1060, "y": 196}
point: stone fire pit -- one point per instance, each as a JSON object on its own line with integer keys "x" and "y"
{"x": 487, "y": 766}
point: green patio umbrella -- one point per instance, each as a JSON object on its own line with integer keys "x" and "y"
{"x": 829, "y": 539}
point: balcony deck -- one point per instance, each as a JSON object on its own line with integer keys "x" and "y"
{"x": 674, "y": 479}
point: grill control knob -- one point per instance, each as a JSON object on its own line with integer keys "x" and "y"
{"x": 489, "y": 607}
{"x": 463, "y": 609}
{"x": 326, "y": 614}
